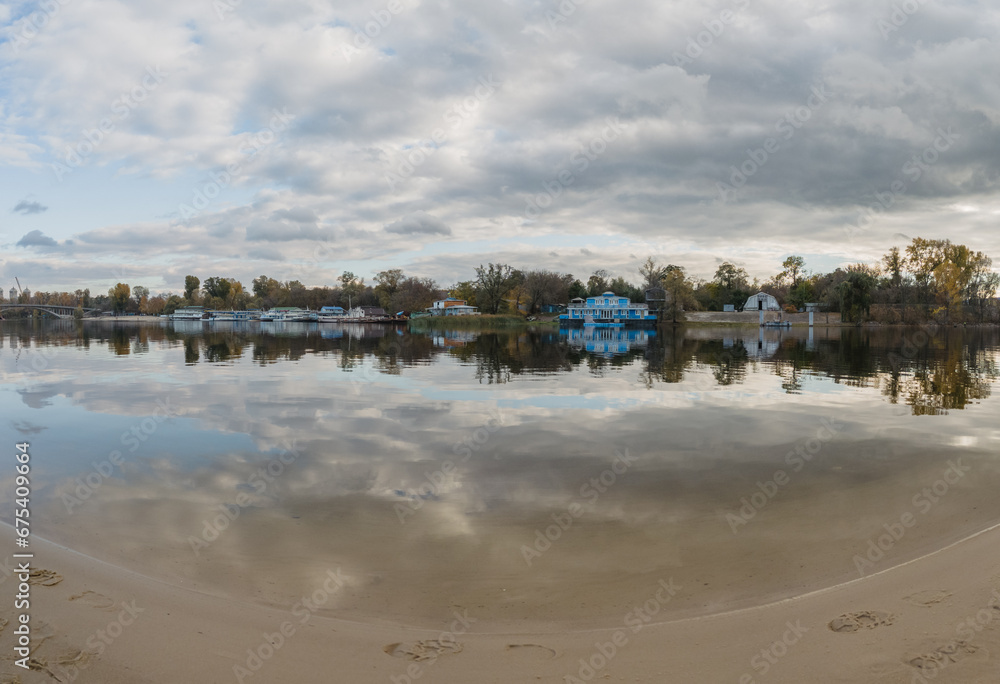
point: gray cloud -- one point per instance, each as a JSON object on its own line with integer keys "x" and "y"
{"x": 26, "y": 208}
{"x": 286, "y": 225}
{"x": 36, "y": 238}
{"x": 418, "y": 223}
{"x": 621, "y": 121}
{"x": 265, "y": 255}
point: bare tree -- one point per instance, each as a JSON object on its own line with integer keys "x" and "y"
{"x": 492, "y": 283}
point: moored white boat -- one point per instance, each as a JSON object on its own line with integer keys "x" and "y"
{"x": 234, "y": 316}
{"x": 332, "y": 314}
{"x": 189, "y": 313}
{"x": 289, "y": 314}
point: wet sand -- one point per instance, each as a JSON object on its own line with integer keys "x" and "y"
{"x": 936, "y": 618}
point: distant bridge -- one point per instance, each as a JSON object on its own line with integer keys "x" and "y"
{"x": 52, "y": 309}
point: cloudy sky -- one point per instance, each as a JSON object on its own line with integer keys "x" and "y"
{"x": 143, "y": 140}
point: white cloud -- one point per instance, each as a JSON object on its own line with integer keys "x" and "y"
{"x": 467, "y": 159}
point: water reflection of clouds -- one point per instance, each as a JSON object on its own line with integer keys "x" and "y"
{"x": 699, "y": 445}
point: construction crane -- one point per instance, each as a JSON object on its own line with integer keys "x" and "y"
{"x": 18, "y": 285}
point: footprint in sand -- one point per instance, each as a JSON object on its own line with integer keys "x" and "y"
{"x": 41, "y": 633}
{"x": 928, "y": 597}
{"x": 3, "y": 623}
{"x": 428, "y": 649}
{"x": 42, "y": 630}
{"x": 46, "y": 578}
{"x": 94, "y": 600}
{"x": 39, "y": 665}
{"x": 865, "y": 619}
{"x": 536, "y": 650}
{"x": 75, "y": 657}
{"x": 949, "y": 653}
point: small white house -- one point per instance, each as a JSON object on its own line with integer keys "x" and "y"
{"x": 452, "y": 307}
{"x": 461, "y": 310}
{"x": 761, "y": 301}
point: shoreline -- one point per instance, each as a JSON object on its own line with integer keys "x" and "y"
{"x": 695, "y": 319}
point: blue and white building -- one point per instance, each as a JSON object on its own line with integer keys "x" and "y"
{"x": 607, "y": 310}
{"x": 329, "y": 314}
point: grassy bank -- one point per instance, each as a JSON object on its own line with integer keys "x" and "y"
{"x": 484, "y": 322}
{"x": 734, "y": 324}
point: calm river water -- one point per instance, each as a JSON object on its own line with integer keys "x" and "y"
{"x": 531, "y": 476}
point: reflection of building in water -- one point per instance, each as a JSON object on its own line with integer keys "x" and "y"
{"x": 355, "y": 330}
{"x": 762, "y": 345}
{"x": 186, "y": 327}
{"x": 607, "y": 341}
{"x": 454, "y": 338}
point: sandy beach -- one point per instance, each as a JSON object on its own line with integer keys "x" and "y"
{"x": 936, "y": 618}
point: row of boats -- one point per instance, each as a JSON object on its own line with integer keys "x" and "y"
{"x": 285, "y": 314}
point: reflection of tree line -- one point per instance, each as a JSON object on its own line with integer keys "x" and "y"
{"x": 960, "y": 373}
{"x": 499, "y": 355}
{"x": 389, "y": 351}
{"x": 948, "y": 369}
{"x": 51, "y": 333}
{"x": 932, "y": 371}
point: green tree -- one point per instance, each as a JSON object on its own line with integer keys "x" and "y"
{"x": 855, "y": 293}
{"x": 730, "y": 276}
{"x": 894, "y": 264}
{"x": 351, "y": 288}
{"x": 173, "y": 303}
{"x": 217, "y": 287}
{"x": 793, "y": 267}
{"x": 191, "y": 284}
{"x": 264, "y": 287}
{"x": 267, "y": 291}
{"x": 387, "y": 284}
{"x": 465, "y": 290}
{"x": 802, "y": 293}
{"x": 623, "y": 288}
{"x": 296, "y": 294}
{"x": 922, "y": 259}
{"x": 729, "y": 286}
{"x": 598, "y": 283}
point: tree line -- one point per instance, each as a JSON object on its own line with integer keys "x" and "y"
{"x": 926, "y": 280}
